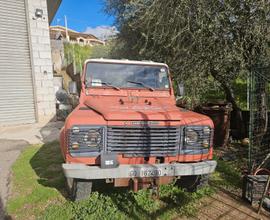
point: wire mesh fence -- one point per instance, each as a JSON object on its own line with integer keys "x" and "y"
{"x": 259, "y": 124}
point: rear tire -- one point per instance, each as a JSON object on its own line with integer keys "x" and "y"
{"x": 79, "y": 189}
{"x": 193, "y": 183}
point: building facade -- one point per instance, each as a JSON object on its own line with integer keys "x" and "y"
{"x": 26, "y": 77}
{"x": 59, "y": 32}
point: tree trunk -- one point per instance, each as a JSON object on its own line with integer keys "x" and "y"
{"x": 239, "y": 117}
{"x": 230, "y": 97}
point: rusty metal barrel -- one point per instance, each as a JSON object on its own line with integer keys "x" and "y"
{"x": 220, "y": 113}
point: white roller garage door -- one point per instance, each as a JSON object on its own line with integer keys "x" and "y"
{"x": 16, "y": 84}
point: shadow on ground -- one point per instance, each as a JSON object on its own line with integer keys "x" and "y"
{"x": 47, "y": 164}
{"x": 50, "y": 132}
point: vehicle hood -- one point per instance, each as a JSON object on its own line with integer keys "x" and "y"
{"x": 141, "y": 109}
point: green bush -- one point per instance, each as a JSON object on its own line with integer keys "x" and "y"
{"x": 76, "y": 53}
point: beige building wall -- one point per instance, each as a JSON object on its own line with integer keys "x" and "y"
{"x": 41, "y": 61}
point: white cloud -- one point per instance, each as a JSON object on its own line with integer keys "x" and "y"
{"x": 102, "y": 32}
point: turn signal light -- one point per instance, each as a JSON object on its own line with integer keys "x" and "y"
{"x": 205, "y": 144}
{"x": 75, "y": 146}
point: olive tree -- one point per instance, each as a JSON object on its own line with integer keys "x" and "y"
{"x": 201, "y": 40}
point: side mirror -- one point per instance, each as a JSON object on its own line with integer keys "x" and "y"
{"x": 72, "y": 88}
{"x": 180, "y": 89}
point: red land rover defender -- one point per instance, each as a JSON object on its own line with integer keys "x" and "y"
{"x": 128, "y": 131}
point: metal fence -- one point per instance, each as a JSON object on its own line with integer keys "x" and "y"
{"x": 259, "y": 124}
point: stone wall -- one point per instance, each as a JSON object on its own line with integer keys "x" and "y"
{"x": 41, "y": 60}
{"x": 57, "y": 47}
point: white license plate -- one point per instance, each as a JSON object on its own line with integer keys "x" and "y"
{"x": 150, "y": 172}
{"x": 146, "y": 172}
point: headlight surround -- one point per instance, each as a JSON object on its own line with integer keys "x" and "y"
{"x": 197, "y": 137}
{"x": 86, "y": 140}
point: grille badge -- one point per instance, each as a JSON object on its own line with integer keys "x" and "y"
{"x": 141, "y": 123}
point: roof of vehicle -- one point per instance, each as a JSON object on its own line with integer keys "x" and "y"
{"x": 124, "y": 61}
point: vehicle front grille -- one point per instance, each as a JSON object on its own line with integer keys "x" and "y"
{"x": 143, "y": 141}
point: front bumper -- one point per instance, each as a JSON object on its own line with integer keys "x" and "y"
{"x": 82, "y": 171}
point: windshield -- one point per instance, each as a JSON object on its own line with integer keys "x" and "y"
{"x": 126, "y": 76}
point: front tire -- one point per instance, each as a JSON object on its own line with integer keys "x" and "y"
{"x": 193, "y": 183}
{"x": 79, "y": 189}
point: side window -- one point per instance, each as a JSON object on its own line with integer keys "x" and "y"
{"x": 163, "y": 78}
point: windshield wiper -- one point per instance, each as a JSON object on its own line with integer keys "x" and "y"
{"x": 110, "y": 85}
{"x": 106, "y": 84}
{"x": 143, "y": 84}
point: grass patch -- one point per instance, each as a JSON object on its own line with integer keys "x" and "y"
{"x": 38, "y": 191}
{"x": 123, "y": 204}
{"x": 231, "y": 163}
{"x": 37, "y": 181}
{"x": 227, "y": 175}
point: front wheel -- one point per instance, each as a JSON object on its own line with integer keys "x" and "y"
{"x": 193, "y": 183}
{"x": 79, "y": 189}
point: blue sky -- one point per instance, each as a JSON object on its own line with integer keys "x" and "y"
{"x": 82, "y": 15}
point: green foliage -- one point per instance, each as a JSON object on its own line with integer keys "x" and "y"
{"x": 240, "y": 88}
{"x": 76, "y": 53}
{"x": 97, "y": 207}
{"x": 211, "y": 92}
{"x": 122, "y": 204}
{"x": 198, "y": 39}
{"x": 102, "y": 51}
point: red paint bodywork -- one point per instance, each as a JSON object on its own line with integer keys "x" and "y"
{"x": 108, "y": 106}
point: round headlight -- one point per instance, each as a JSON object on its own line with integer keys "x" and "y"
{"x": 191, "y": 136}
{"x": 93, "y": 138}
